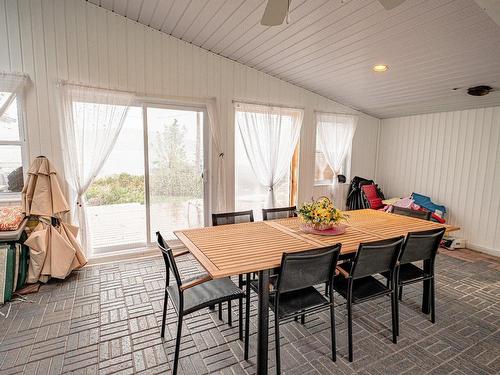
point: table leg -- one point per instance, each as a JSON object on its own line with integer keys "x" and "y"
{"x": 263, "y": 323}
{"x": 426, "y": 293}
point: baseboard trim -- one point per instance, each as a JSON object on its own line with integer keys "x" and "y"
{"x": 485, "y": 250}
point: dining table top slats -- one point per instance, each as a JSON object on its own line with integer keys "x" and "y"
{"x": 234, "y": 249}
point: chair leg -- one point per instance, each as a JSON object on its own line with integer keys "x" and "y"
{"x": 400, "y": 294}
{"x": 220, "y": 311}
{"x": 396, "y": 299}
{"x": 433, "y": 300}
{"x": 229, "y": 314}
{"x": 164, "y": 318}
{"x": 303, "y": 319}
{"x": 240, "y": 308}
{"x": 177, "y": 345}
{"x": 327, "y": 290}
{"x": 247, "y": 317}
{"x": 394, "y": 316}
{"x": 349, "y": 327}
{"x": 277, "y": 341}
{"x": 240, "y": 319}
{"x": 332, "y": 328}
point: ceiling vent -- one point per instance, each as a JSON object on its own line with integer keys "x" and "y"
{"x": 479, "y": 90}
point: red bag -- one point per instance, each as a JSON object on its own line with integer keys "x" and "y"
{"x": 372, "y": 197}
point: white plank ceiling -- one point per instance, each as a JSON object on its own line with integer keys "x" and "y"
{"x": 330, "y": 46}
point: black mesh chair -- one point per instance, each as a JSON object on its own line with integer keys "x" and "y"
{"x": 419, "y": 246}
{"x": 278, "y": 213}
{"x": 424, "y": 215}
{"x": 293, "y": 293}
{"x": 356, "y": 283}
{"x": 233, "y": 218}
{"x": 192, "y": 295}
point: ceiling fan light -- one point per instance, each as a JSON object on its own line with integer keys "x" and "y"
{"x": 379, "y": 68}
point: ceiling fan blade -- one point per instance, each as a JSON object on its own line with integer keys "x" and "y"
{"x": 391, "y": 4}
{"x": 275, "y": 12}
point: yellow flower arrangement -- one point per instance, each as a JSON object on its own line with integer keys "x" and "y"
{"x": 321, "y": 214}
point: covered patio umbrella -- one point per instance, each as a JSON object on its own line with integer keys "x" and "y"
{"x": 54, "y": 250}
{"x": 41, "y": 193}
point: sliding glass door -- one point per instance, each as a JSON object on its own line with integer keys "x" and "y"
{"x": 153, "y": 179}
{"x": 115, "y": 200}
{"x": 175, "y": 163}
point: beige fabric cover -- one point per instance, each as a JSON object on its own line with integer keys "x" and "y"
{"x": 54, "y": 250}
{"x": 41, "y": 194}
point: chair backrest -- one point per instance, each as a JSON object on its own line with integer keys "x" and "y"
{"x": 424, "y": 215}
{"x": 169, "y": 259}
{"x": 421, "y": 245}
{"x": 376, "y": 257}
{"x": 307, "y": 268}
{"x": 232, "y": 218}
{"x": 278, "y": 213}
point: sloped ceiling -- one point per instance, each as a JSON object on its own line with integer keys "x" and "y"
{"x": 330, "y": 47}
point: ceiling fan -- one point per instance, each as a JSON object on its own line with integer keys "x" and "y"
{"x": 277, "y": 10}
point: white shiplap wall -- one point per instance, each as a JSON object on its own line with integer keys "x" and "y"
{"x": 80, "y": 42}
{"x": 453, "y": 157}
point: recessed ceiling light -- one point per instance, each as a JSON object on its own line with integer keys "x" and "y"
{"x": 380, "y": 68}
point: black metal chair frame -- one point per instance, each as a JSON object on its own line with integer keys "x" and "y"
{"x": 281, "y": 289}
{"x": 427, "y": 273}
{"x": 291, "y": 211}
{"x": 351, "y": 277}
{"x": 171, "y": 266}
{"x": 424, "y": 215}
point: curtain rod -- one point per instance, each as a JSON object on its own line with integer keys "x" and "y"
{"x": 63, "y": 82}
{"x": 336, "y": 113}
{"x": 139, "y": 95}
{"x": 19, "y": 74}
{"x": 237, "y": 101}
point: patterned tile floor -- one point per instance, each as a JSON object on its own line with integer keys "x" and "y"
{"x": 105, "y": 319}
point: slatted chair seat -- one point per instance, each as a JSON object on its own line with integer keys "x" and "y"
{"x": 205, "y": 294}
{"x": 363, "y": 289}
{"x": 409, "y": 273}
{"x": 295, "y": 302}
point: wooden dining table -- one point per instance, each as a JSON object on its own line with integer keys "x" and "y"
{"x": 236, "y": 249}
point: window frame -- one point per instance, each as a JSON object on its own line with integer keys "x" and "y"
{"x": 22, "y": 142}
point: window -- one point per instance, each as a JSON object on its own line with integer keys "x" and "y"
{"x": 334, "y": 134}
{"x": 12, "y": 140}
{"x": 266, "y": 155}
{"x": 152, "y": 179}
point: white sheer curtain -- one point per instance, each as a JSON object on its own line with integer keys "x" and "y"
{"x": 335, "y": 133}
{"x": 214, "y": 124}
{"x": 91, "y": 122}
{"x": 269, "y": 135}
{"x": 11, "y": 85}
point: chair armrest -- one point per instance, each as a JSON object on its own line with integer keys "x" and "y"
{"x": 343, "y": 272}
{"x": 198, "y": 281}
{"x": 182, "y": 252}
